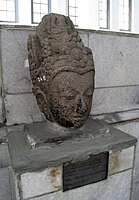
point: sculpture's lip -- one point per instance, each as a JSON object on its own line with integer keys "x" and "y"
{"x": 79, "y": 118}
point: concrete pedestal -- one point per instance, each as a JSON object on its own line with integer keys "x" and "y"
{"x": 38, "y": 152}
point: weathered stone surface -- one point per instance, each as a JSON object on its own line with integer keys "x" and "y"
{"x": 99, "y": 137}
{"x": 108, "y": 100}
{"x": 135, "y": 191}
{"x": 5, "y": 160}
{"x": 3, "y": 134}
{"x": 136, "y": 168}
{"x": 85, "y": 37}
{"x": 43, "y": 182}
{"x": 121, "y": 160}
{"x": 1, "y": 110}
{"x": 39, "y": 134}
{"x": 6, "y": 189}
{"x": 117, "y": 187}
{"x": 130, "y": 127}
{"x": 1, "y": 75}
{"x": 62, "y": 71}
{"x": 15, "y": 128}
{"x": 116, "y": 59}
{"x": 16, "y": 77}
{"x": 0, "y": 66}
{"x": 104, "y": 100}
{"x": 22, "y": 109}
{"x": 120, "y": 117}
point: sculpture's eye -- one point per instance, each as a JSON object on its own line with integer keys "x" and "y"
{"x": 70, "y": 97}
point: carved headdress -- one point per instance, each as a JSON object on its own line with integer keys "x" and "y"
{"x": 55, "y": 48}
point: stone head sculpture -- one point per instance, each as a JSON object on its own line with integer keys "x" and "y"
{"x": 62, "y": 71}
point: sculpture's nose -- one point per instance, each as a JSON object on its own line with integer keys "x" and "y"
{"x": 81, "y": 106}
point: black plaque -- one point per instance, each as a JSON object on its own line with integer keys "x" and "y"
{"x": 81, "y": 173}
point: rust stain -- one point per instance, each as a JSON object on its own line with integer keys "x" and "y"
{"x": 54, "y": 173}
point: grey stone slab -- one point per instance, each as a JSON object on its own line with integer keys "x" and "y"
{"x": 135, "y": 191}
{"x": 130, "y": 127}
{"x": 118, "y": 116}
{"x": 116, "y": 59}
{"x": 22, "y": 144}
{"x": 99, "y": 137}
{"x": 85, "y": 37}
{"x": 16, "y": 77}
{"x": 21, "y": 109}
{"x": 121, "y": 160}
{"x": 117, "y": 187}
{"x": 18, "y": 27}
{"x": 6, "y": 187}
{"x": 15, "y": 128}
{"x": 43, "y": 182}
{"x": 1, "y": 110}
{"x": 43, "y": 133}
{"x": 0, "y": 64}
{"x": 3, "y": 134}
{"x": 109, "y": 100}
{"x": 136, "y": 168}
{"x": 5, "y": 160}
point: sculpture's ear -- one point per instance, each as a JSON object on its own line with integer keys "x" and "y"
{"x": 34, "y": 52}
{"x": 40, "y": 97}
{"x": 42, "y": 102}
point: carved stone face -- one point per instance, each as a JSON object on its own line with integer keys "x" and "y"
{"x": 62, "y": 71}
{"x": 71, "y": 98}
